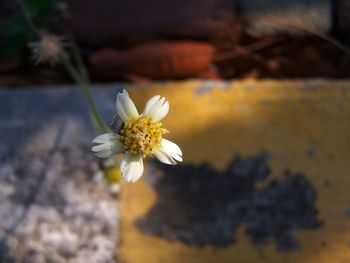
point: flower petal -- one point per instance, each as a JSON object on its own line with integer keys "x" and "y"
{"x": 157, "y": 108}
{"x": 104, "y": 153}
{"x": 168, "y": 152}
{"x": 150, "y": 104}
{"x": 164, "y": 158}
{"x": 107, "y": 144}
{"x": 125, "y": 107}
{"x": 132, "y": 168}
{"x": 161, "y": 112}
{"x": 171, "y": 149}
{"x": 106, "y": 137}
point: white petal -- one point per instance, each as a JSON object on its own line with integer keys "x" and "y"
{"x": 171, "y": 149}
{"x": 125, "y": 107}
{"x": 103, "y": 154}
{"x": 107, "y": 144}
{"x": 107, "y": 137}
{"x": 120, "y": 110}
{"x": 150, "y": 103}
{"x": 162, "y": 112}
{"x": 105, "y": 151}
{"x": 101, "y": 147}
{"x": 132, "y": 168}
{"x": 164, "y": 158}
{"x": 157, "y": 108}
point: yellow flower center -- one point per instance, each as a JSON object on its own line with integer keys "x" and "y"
{"x": 142, "y": 135}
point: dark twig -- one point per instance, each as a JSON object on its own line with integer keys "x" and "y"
{"x": 301, "y": 27}
{"x": 248, "y": 49}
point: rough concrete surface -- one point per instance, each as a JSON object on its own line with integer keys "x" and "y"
{"x": 50, "y": 211}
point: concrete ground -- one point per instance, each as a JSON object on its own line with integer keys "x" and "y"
{"x": 50, "y": 209}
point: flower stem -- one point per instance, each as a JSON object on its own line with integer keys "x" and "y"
{"x": 85, "y": 87}
{"x": 28, "y": 17}
{"x": 80, "y": 76}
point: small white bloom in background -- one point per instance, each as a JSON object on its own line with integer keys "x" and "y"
{"x": 109, "y": 174}
{"x": 114, "y": 189}
{"x": 49, "y": 49}
{"x": 98, "y": 177}
{"x": 140, "y": 136}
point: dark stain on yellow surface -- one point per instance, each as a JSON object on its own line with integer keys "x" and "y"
{"x": 199, "y": 205}
{"x": 222, "y": 123}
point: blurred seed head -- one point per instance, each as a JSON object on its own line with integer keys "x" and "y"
{"x": 49, "y": 49}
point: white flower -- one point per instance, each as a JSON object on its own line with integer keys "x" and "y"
{"x": 140, "y": 136}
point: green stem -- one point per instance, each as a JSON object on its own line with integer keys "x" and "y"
{"x": 78, "y": 59}
{"x": 28, "y": 17}
{"x": 86, "y": 90}
{"x": 81, "y": 79}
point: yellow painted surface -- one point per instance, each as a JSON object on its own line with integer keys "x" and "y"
{"x": 284, "y": 118}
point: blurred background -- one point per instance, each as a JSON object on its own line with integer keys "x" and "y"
{"x": 260, "y": 106}
{"x": 215, "y": 39}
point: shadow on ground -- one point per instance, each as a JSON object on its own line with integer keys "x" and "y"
{"x": 201, "y": 206}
